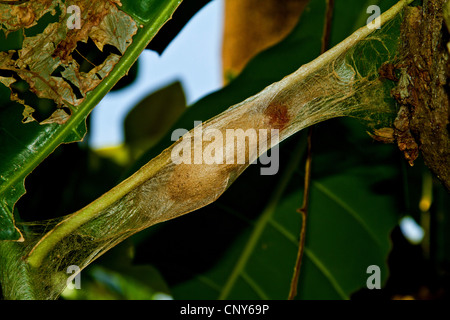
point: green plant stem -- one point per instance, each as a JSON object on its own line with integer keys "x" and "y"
{"x": 89, "y": 212}
{"x": 140, "y": 42}
{"x": 14, "y": 272}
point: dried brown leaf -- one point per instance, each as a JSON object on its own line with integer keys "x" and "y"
{"x": 18, "y": 14}
{"x": 42, "y": 54}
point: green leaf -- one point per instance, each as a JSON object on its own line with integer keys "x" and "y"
{"x": 152, "y": 118}
{"x": 251, "y": 256}
{"x": 248, "y": 244}
{"x": 254, "y": 78}
{"x": 101, "y": 283}
{"x": 148, "y": 11}
{"x": 104, "y": 222}
{"x": 115, "y": 277}
{"x": 24, "y": 146}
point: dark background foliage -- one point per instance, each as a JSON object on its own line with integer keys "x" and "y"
{"x": 361, "y": 189}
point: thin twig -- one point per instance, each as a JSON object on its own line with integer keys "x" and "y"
{"x": 307, "y": 182}
{"x": 137, "y": 187}
{"x": 303, "y": 211}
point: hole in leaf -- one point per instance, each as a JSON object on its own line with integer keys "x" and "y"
{"x": 89, "y": 56}
{"x": 15, "y": 55}
{"x": 20, "y": 87}
{"x": 43, "y": 107}
{"x": 8, "y": 74}
{"x": 75, "y": 89}
{"x": 57, "y": 72}
{"x": 67, "y": 110}
{"x": 12, "y": 41}
{"x": 43, "y": 23}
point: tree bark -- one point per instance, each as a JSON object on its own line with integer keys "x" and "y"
{"x": 424, "y": 115}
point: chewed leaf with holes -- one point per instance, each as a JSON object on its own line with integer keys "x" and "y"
{"x": 60, "y": 75}
{"x": 45, "y": 61}
{"x": 24, "y": 14}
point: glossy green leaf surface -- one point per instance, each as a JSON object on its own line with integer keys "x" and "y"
{"x": 152, "y": 117}
{"x": 249, "y": 237}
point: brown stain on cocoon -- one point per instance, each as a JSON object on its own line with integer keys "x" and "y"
{"x": 203, "y": 183}
{"x": 277, "y": 115}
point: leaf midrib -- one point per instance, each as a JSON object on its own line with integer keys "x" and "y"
{"x": 141, "y": 40}
{"x": 314, "y": 259}
{"x": 266, "y": 218}
{"x": 263, "y": 220}
{"x": 347, "y": 208}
